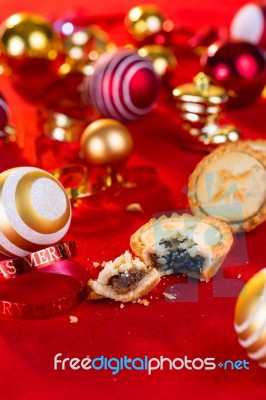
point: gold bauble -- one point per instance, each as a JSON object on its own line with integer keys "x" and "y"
{"x": 34, "y": 211}
{"x": 250, "y": 317}
{"x": 31, "y": 35}
{"x": 162, "y": 57}
{"x": 106, "y": 142}
{"x": 146, "y": 20}
{"x": 87, "y": 43}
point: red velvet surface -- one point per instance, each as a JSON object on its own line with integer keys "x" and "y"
{"x": 102, "y": 227}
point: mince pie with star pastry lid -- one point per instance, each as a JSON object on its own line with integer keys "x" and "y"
{"x": 230, "y": 184}
{"x": 184, "y": 244}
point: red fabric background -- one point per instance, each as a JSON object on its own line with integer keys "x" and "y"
{"x": 203, "y": 328}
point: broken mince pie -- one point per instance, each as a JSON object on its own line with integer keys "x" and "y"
{"x": 124, "y": 279}
{"x": 230, "y": 184}
{"x": 183, "y": 244}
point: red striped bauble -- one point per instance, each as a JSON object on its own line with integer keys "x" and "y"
{"x": 124, "y": 85}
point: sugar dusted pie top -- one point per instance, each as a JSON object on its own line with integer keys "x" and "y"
{"x": 234, "y": 179}
{"x": 230, "y": 184}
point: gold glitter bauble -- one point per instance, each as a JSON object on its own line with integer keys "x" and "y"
{"x": 31, "y": 35}
{"x": 162, "y": 57}
{"x": 106, "y": 142}
{"x": 34, "y": 211}
{"x": 250, "y": 317}
{"x": 146, "y": 20}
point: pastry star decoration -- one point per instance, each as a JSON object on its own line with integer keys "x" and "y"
{"x": 231, "y": 186}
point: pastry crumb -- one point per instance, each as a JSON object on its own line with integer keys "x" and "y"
{"x": 134, "y": 207}
{"x": 169, "y": 296}
{"x": 96, "y": 264}
{"x": 73, "y": 319}
{"x": 122, "y": 305}
{"x": 143, "y": 302}
{"x": 129, "y": 185}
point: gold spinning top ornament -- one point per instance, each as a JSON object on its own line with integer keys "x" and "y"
{"x": 200, "y": 105}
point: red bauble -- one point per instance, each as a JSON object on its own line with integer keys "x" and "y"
{"x": 124, "y": 85}
{"x": 249, "y": 24}
{"x": 31, "y": 77}
{"x": 239, "y": 67}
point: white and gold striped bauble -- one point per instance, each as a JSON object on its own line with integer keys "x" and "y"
{"x": 250, "y": 317}
{"x": 34, "y": 211}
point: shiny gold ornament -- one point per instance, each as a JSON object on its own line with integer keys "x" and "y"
{"x": 106, "y": 142}
{"x": 26, "y": 34}
{"x": 83, "y": 48}
{"x": 250, "y": 317}
{"x": 146, "y": 20}
{"x": 200, "y": 105}
{"x": 86, "y": 43}
{"x": 34, "y": 211}
{"x": 163, "y": 58}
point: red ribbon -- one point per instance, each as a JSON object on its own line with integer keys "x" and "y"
{"x": 61, "y": 284}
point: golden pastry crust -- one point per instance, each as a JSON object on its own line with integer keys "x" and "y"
{"x": 257, "y": 145}
{"x": 102, "y": 287}
{"x": 241, "y": 147}
{"x": 144, "y": 244}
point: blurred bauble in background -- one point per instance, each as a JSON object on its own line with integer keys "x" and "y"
{"x": 29, "y": 52}
{"x": 145, "y": 21}
{"x": 237, "y": 66}
{"x": 249, "y": 24}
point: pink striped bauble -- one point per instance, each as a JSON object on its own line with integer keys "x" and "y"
{"x": 124, "y": 85}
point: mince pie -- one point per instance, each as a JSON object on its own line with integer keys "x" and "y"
{"x": 124, "y": 279}
{"x": 183, "y": 244}
{"x": 230, "y": 184}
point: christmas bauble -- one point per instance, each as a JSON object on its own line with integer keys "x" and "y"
{"x": 162, "y": 57}
{"x": 124, "y": 85}
{"x": 4, "y": 112}
{"x": 250, "y": 317}
{"x": 30, "y": 53}
{"x": 106, "y": 142}
{"x": 146, "y": 20}
{"x": 86, "y": 43}
{"x": 26, "y": 34}
{"x": 35, "y": 211}
{"x": 237, "y": 66}
{"x": 249, "y": 24}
